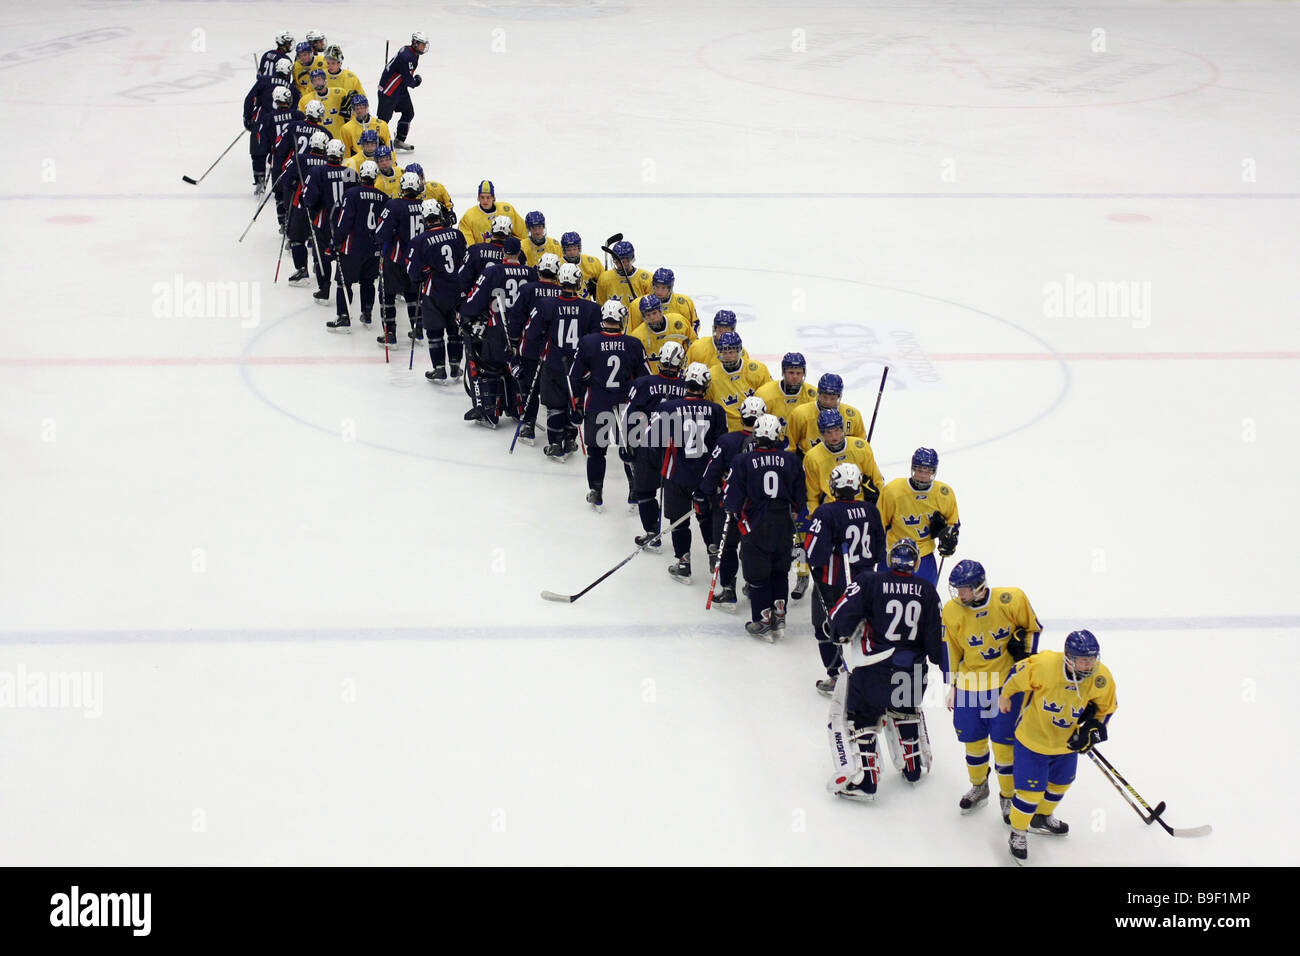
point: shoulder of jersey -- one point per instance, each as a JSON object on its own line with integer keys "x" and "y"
{"x": 859, "y": 443}
{"x": 943, "y": 488}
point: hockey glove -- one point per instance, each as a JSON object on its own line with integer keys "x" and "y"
{"x": 575, "y": 413}
{"x": 1086, "y": 734}
{"x": 700, "y": 502}
{"x": 869, "y": 491}
{"x": 250, "y": 125}
{"x": 937, "y": 523}
{"x": 1018, "y": 646}
{"x": 626, "y": 454}
{"x": 947, "y": 542}
{"x": 416, "y": 80}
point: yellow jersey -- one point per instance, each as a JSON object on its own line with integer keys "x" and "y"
{"x": 390, "y": 184}
{"x": 475, "y": 224}
{"x": 782, "y": 404}
{"x": 356, "y": 159}
{"x": 905, "y": 512}
{"x": 302, "y": 74}
{"x": 676, "y": 329}
{"x": 680, "y": 304}
{"x": 729, "y": 389}
{"x": 976, "y": 638}
{"x": 611, "y": 284}
{"x": 332, "y": 100}
{"x": 802, "y": 431}
{"x": 438, "y": 191}
{"x": 351, "y": 132}
{"x": 1053, "y": 704}
{"x": 533, "y": 252}
{"x": 345, "y": 79}
{"x": 821, "y": 461}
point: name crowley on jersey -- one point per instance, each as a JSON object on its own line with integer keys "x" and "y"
{"x": 102, "y": 909}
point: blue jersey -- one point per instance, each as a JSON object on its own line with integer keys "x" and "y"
{"x": 399, "y": 224}
{"x": 844, "y": 538}
{"x": 761, "y": 481}
{"x": 305, "y": 166}
{"x": 554, "y": 328}
{"x": 531, "y": 292}
{"x": 356, "y": 218}
{"x": 436, "y": 257}
{"x": 688, "y": 430}
{"x": 497, "y": 289}
{"x": 398, "y": 72}
{"x": 293, "y": 144}
{"x": 902, "y": 614}
{"x": 643, "y": 399}
{"x": 724, "y": 453}
{"x": 325, "y": 189}
{"x": 267, "y": 65}
{"x": 606, "y": 365}
{"x": 477, "y": 258}
{"x": 274, "y": 124}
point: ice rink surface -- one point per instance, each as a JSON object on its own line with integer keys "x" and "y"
{"x": 304, "y": 593}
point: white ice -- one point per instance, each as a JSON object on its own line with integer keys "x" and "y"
{"x": 310, "y": 592}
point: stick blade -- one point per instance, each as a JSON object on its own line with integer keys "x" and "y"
{"x": 1200, "y": 831}
{"x": 192, "y": 182}
{"x": 562, "y": 598}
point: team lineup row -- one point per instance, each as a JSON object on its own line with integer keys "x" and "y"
{"x": 776, "y": 472}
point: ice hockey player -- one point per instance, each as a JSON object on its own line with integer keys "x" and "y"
{"x": 477, "y": 221}
{"x": 706, "y": 349}
{"x": 317, "y": 40}
{"x": 434, "y": 190}
{"x": 804, "y": 432}
{"x": 482, "y": 254}
{"x": 367, "y": 146}
{"x": 538, "y": 243}
{"x": 888, "y": 622}
{"x": 395, "y": 85}
{"x": 924, "y": 510}
{"x": 390, "y": 174}
{"x": 399, "y": 224}
{"x": 305, "y": 60}
{"x": 641, "y": 450}
{"x": 524, "y": 371}
{"x": 571, "y": 247}
{"x": 659, "y": 328}
{"x": 354, "y": 243}
{"x": 735, "y": 378}
{"x": 987, "y": 630}
{"x": 661, "y": 285}
{"x": 281, "y": 51}
{"x": 725, "y": 535}
{"x": 607, "y": 364}
{"x": 435, "y": 258}
{"x": 555, "y": 327}
{"x": 274, "y": 124}
{"x": 844, "y": 539}
{"x": 763, "y": 496}
{"x": 331, "y": 97}
{"x": 688, "y": 429}
{"x": 336, "y": 75}
{"x": 362, "y": 120}
{"x": 782, "y": 397}
{"x": 624, "y": 280}
{"x": 324, "y": 190}
{"x": 832, "y": 449}
{"x": 482, "y": 321}
{"x": 259, "y": 104}
{"x": 298, "y": 230}
{"x": 1066, "y": 701}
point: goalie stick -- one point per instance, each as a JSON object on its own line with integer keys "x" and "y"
{"x": 570, "y": 598}
{"x": 1130, "y": 796}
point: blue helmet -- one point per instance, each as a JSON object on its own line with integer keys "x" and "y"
{"x": 383, "y": 151}
{"x": 664, "y": 277}
{"x": 724, "y": 319}
{"x": 571, "y": 239}
{"x": 487, "y": 186}
{"x": 831, "y": 384}
{"x": 793, "y": 360}
{"x": 534, "y": 218}
{"x": 966, "y": 574}
{"x": 623, "y": 250}
{"x": 303, "y": 47}
{"x": 904, "y": 555}
{"x": 650, "y": 303}
{"x": 729, "y": 340}
{"x": 317, "y": 72}
{"x": 359, "y": 100}
{"x": 921, "y": 458}
{"x": 1080, "y": 644}
{"x": 829, "y": 418}
{"x": 416, "y": 168}
{"x": 369, "y": 136}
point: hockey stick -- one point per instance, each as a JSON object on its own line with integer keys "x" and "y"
{"x": 626, "y": 278}
{"x": 283, "y": 236}
{"x": 262, "y": 205}
{"x": 722, "y": 543}
{"x": 570, "y": 598}
{"x": 871, "y": 431}
{"x": 617, "y": 237}
{"x": 195, "y": 182}
{"x": 383, "y": 325}
{"x": 1116, "y": 779}
{"x": 520, "y": 424}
